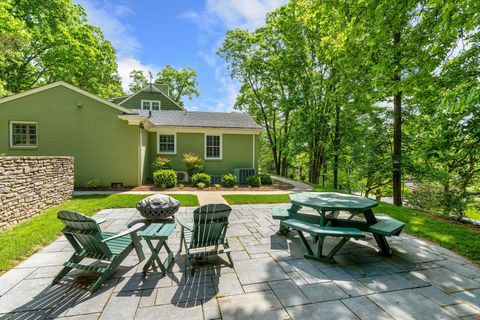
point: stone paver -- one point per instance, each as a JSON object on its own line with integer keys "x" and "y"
{"x": 271, "y": 280}
{"x": 407, "y": 304}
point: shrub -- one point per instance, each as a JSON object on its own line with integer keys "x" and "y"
{"x": 201, "y": 185}
{"x": 94, "y": 183}
{"x": 201, "y": 177}
{"x": 217, "y": 186}
{"x": 265, "y": 179}
{"x": 229, "y": 180}
{"x": 165, "y": 178}
{"x": 161, "y": 163}
{"x": 193, "y": 163}
{"x": 181, "y": 186}
{"x": 254, "y": 181}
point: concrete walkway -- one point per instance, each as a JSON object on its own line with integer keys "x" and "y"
{"x": 297, "y": 185}
{"x": 271, "y": 280}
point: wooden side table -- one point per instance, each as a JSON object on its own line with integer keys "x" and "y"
{"x": 159, "y": 232}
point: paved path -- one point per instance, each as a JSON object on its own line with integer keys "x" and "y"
{"x": 297, "y": 185}
{"x": 271, "y": 280}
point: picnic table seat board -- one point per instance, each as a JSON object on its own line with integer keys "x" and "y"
{"x": 319, "y": 233}
{"x": 88, "y": 241}
{"x": 210, "y": 223}
{"x": 386, "y": 226}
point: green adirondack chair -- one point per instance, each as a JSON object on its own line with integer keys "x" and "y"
{"x": 208, "y": 233}
{"x": 88, "y": 240}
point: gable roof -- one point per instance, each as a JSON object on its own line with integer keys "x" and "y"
{"x": 173, "y": 118}
{"x": 69, "y": 86}
{"x": 148, "y": 88}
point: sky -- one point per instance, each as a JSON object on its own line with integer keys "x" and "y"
{"x": 150, "y": 34}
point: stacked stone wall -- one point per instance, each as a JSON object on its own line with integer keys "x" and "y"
{"x": 29, "y": 185}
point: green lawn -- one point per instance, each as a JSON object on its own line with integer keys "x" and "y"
{"x": 24, "y": 239}
{"x": 256, "y": 198}
{"x": 461, "y": 238}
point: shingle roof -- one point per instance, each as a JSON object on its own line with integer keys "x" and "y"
{"x": 200, "y": 119}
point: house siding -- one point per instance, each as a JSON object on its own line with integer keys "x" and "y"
{"x": 237, "y": 152}
{"x": 135, "y": 101}
{"x": 102, "y": 145}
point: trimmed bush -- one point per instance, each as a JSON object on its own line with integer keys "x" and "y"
{"x": 165, "y": 178}
{"x": 161, "y": 163}
{"x": 94, "y": 183}
{"x": 201, "y": 177}
{"x": 217, "y": 186}
{"x": 265, "y": 179}
{"x": 254, "y": 181}
{"x": 229, "y": 180}
{"x": 201, "y": 185}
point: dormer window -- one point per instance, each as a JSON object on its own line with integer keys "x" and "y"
{"x": 150, "y": 105}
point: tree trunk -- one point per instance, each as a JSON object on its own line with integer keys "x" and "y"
{"x": 397, "y": 129}
{"x": 284, "y": 167}
{"x": 336, "y": 146}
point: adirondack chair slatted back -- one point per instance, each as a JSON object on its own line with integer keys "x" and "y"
{"x": 210, "y": 225}
{"x": 84, "y": 235}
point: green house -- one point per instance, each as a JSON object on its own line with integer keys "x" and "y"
{"x": 116, "y": 140}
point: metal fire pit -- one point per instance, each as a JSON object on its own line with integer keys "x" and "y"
{"x": 158, "y": 207}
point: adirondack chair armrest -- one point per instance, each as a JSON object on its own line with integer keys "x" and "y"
{"x": 183, "y": 223}
{"x": 131, "y": 230}
{"x": 100, "y": 221}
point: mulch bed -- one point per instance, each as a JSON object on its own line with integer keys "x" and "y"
{"x": 276, "y": 186}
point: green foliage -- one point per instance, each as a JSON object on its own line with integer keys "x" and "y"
{"x": 265, "y": 179}
{"x": 94, "y": 183}
{"x": 138, "y": 81}
{"x": 311, "y": 70}
{"x": 161, "y": 163}
{"x": 181, "y": 82}
{"x": 217, "y": 186}
{"x": 200, "y": 185}
{"x": 201, "y": 177}
{"x": 165, "y": 178}
{"x": 26, "y": 238}
{"x": 193, "y": 163}
{"x": 254, "y": 181}
{"x": 51, "y": 40}
{"x": 229, "y": 180}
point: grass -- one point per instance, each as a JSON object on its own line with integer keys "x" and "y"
{"x": 24, "y": 239}
{"x": 461, "y": 238}
{"x": 256, "y": 198}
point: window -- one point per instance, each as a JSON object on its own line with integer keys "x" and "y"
{"x": 213, "y": 147}
{"x": 150, "y": 105}
{"x": 23, "y": 134}
{"x": 167, "y": 143}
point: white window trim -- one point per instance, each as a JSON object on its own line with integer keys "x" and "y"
{"x": 150, "y": 104}
{"x": 174, "y": 134}
{"x": 221, "y": 146}
{"x": 33, "y": 146}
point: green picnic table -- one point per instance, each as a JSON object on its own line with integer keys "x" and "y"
{"x": 329, "y": 205}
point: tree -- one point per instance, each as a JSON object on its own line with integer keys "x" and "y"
{"x": 139, "y": 81}
{"x": 52, "y": 41}
{"x": 182, "y": 82}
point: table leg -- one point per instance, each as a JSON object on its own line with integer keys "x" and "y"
{"x": 155, "y": 257}
{"x": 380, "y": 239}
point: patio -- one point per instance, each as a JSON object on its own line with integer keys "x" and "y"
{"x": 271, "y": 280}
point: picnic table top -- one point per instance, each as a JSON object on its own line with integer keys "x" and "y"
{"x": 332, "y": 201}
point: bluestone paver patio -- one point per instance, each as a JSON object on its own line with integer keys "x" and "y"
{"x": 271, "y": 280}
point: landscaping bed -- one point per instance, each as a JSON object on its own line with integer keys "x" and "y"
{"x": 276, "y": 186}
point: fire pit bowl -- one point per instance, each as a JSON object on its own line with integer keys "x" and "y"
{"x": 158, "y": 207}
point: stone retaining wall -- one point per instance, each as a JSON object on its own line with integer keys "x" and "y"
{"x": 29, "y": 185}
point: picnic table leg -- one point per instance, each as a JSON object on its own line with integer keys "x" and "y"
{"x": 380, "y": 239}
